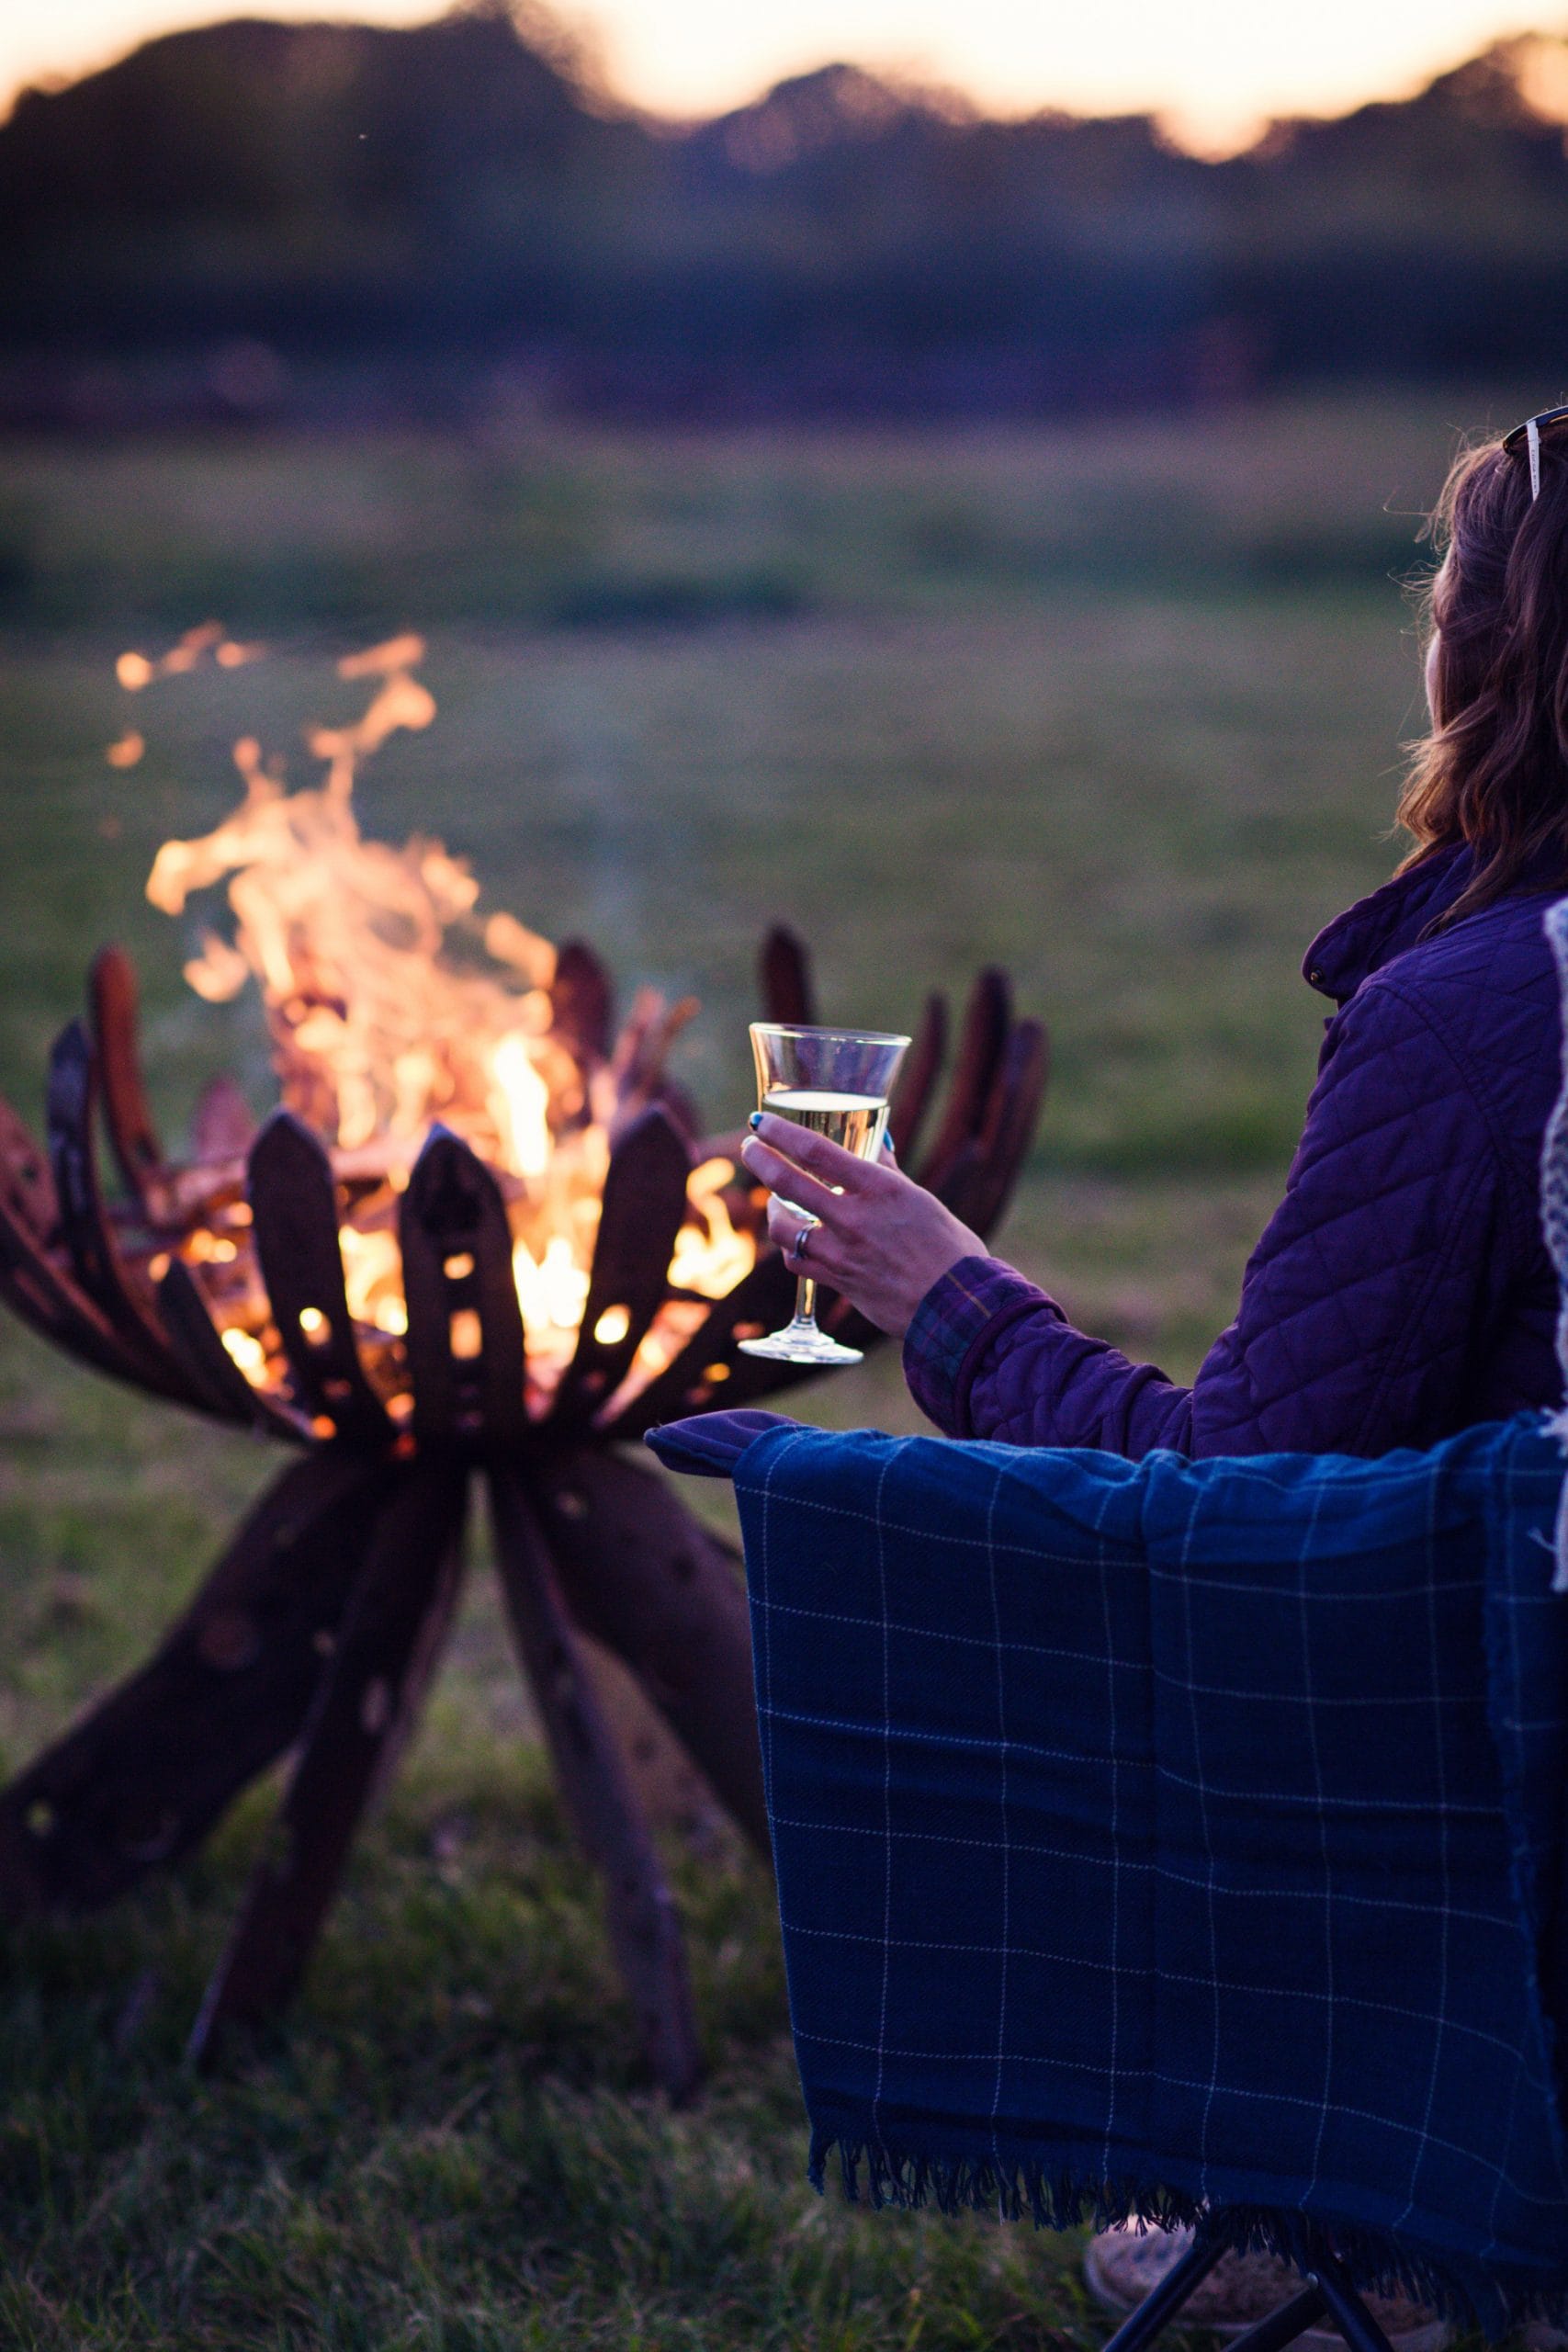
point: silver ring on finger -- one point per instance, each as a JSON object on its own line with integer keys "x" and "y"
{"x": 798, "y": 1247}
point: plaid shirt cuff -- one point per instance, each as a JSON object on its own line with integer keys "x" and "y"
{"x": 953, "y": 1322}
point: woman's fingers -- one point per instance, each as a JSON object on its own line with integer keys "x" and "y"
{"x": 882, "y": 1245}
{"x": 829, "y": 1161}
{"x": 789, "y": 1177}
{"x": 824, "y": 1255}
{"x": 871, "y": 1234}
{"x": 786, "y": 1222}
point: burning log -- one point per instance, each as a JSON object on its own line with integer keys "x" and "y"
{"x": 478, "y": 1238}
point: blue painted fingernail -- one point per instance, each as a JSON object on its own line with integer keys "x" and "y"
{"x": 755, "y": 1120}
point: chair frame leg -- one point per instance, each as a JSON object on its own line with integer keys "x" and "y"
{"x": 1282, "y": 2327}
{"x": 1349, "y": 2314}
{"x": 1327, "y": 2291}
{"x": 1161, "y": 2304}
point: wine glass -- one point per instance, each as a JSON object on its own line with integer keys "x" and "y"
{"x": 835, "y": 1082}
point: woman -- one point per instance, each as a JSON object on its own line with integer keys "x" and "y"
{"x": 1402, "y": 1290}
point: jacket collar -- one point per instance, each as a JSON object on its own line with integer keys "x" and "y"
{"x": 1374, "y": 931}
{"x": 1377, "y": 929}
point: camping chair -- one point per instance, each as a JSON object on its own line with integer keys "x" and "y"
{"x": 1326, "y": 2289}
{"x": 1181, "y": 1841}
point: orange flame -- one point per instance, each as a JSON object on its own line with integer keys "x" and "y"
{"x": 137, "y": 670}
{"x": 392, "y": 1004}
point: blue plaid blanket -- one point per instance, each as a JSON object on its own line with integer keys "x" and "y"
{"x": 1159, "y": 1834}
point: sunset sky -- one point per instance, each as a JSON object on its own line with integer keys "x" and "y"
{"x": 1213, "y": 68}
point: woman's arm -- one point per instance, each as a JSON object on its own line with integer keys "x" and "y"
{"x": 990, "y": 1355}
{"x": 1360, "y": 1312}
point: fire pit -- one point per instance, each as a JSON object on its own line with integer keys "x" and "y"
{"x": 481, "y": 1236}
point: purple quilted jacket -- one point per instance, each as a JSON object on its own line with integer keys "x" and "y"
{"x": 1402, "y": 1290}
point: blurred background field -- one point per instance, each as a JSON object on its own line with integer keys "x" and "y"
{"x": 1118, "y": 704}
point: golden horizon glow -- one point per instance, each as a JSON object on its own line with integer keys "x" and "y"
{"x": 1214, "y": 71}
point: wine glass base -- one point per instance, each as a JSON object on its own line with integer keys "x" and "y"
{"x": 801, "y": 1342}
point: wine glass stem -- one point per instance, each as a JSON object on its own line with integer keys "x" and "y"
{"x": 805, "y": 1300}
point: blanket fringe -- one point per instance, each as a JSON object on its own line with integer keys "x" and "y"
{"x": 1060, "y": 2196}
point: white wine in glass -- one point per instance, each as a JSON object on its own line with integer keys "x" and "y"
{"x": 856, "y": 1122}
{"x": 835, "y": 1082}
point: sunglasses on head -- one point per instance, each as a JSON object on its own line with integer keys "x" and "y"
{"x": 1527, "y": 437}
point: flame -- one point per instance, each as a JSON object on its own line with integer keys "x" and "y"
{"x": 137, "y": 670}
{"x": 392, "y": 1004}
{"x": 248, "y": 1353}
{"x": 710, "y": 1255}
{"x": 373, "y": 1279}
{"x": 520, "y": 1103}
{"x": 552, "y": 1290}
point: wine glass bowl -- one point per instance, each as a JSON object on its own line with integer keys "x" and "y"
{"x": 836, "y": 1082}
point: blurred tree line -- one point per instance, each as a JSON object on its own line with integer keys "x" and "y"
{"x": 254, "y": 203}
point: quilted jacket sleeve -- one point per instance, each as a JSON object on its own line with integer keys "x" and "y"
{"x": 1362, "y": 1308}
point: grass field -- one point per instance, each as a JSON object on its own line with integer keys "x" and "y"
{"x": 1120, "y": 708}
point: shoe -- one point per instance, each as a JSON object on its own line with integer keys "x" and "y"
{"x": 1124, "y": 2264}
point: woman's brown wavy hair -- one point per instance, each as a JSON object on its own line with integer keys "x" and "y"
{"x": 1493, "y": 770}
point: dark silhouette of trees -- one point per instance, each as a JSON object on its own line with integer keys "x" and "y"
{"x": 465, "y": 192}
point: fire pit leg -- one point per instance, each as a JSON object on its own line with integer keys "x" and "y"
{"x": 142, "y": 1779}
{"x": 644, "y": 1929}
{"x": 391, "y": 1635}
{"x": 645, "y": 1578}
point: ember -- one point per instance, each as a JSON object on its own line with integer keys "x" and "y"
{"x": 479, "y": 1233}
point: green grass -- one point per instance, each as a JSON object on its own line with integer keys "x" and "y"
{"x": 513, "y": 524}
{"x": 1120, "y": 708}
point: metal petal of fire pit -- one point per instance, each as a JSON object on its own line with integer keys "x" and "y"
{"x": 320, "y": 1627}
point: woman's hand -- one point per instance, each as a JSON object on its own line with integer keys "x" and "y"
{"x": 878, "y": 1237}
